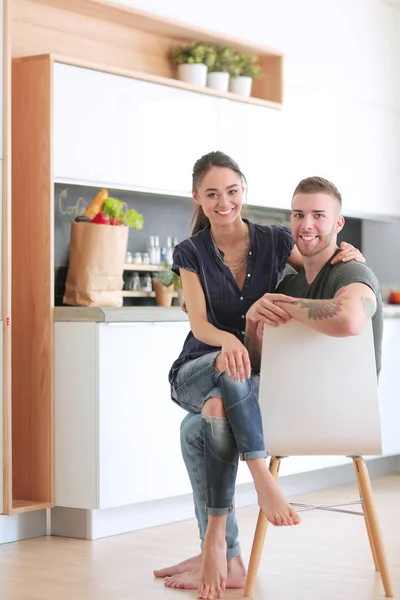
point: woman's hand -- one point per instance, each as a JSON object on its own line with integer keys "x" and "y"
{"x": 266, "y": 311}
{"x": 234, "y": 359}
{"x": 348, "y": 252}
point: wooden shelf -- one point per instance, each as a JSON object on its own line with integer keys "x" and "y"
{"x": 129, "y": 294}
{"x": 127, "y": 40}
{"x": 23, "y": 506}
{"x": 32, "y": 461}
{"x": 142, "y": 267}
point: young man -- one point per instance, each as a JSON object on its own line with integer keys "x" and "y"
{"x": 334, "y": 299}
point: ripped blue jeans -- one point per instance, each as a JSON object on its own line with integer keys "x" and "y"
{"x": 197, "y": 381}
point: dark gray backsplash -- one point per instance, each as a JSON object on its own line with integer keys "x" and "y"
{"x": 381, "y": 243}
{"x": 163, "y": 216}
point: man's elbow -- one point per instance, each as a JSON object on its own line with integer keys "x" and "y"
{"x": 352, "y": 325}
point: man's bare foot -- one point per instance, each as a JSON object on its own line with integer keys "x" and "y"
{"x": 275, "y": 506}
{"x": 183, "y": 567}
{"x": 236, "y": 577}
{"x": 214, "y": 568}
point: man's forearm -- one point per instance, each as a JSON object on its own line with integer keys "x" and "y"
{"x": 338, "y": 316}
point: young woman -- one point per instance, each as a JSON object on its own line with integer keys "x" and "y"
{"x": 226, "y": 265}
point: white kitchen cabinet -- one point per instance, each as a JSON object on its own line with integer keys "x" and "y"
{"x": 129, "y": 133}
{"x": 252, "y": 136}
{"x": 140, "y": 455}
{"x": 368, "y": 163}
{"x": 116, "y": 428}
{"x": 389, "y": 393}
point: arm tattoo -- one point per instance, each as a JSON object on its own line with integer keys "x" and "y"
{"x": 321, "y": 309}
{"x": 368, "y": 306}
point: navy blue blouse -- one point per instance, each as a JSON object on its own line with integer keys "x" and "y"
{"x": 227, "y": 304}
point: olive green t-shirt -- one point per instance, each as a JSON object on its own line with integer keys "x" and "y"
{"x": 329, "y": 281}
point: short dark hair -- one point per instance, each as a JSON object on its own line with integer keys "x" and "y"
{"x": 313, "y": 185}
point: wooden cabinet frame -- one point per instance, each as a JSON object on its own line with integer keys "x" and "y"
{"x": 95, "y": 34}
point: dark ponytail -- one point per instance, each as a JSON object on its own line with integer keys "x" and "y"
{"x": 200, "y": 169}
{"x": 199, "y": 221}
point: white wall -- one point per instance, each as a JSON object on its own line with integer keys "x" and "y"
{"x": 341, "y": 84}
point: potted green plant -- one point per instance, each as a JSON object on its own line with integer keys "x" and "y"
{"x": 163, "y": 284}
{"x": 218, "y": 73}
{"x": 193, "y": 61}
{"x": 243, "y": 71}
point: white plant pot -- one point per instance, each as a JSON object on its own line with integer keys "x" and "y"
{"x": 196, "y": 74}
{"x": 218, "y": 80}
{"x": 241, "y": 86}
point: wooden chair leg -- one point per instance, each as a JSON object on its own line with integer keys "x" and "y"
{"x": 259, "y": 537}
{"x": 372, "y": 519}
{"x": 367, "y": 525}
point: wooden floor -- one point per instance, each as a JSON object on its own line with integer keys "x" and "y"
{"x": 326, "y": 558}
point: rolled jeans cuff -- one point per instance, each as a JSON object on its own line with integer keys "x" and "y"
{"x": 219, "y": 512}
{"x": 230, "y": 552}
{"x": 252, "y": 455}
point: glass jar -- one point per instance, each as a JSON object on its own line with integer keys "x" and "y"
{"x": 136, "y": 285}
{"x": 147, "y": 284}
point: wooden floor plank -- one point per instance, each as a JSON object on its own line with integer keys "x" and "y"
{"x": 326, "y": 558}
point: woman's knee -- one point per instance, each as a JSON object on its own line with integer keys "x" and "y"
{"x": 214, "y": 407}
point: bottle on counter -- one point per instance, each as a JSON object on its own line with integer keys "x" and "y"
{"x": 168, "y": 257}
{"x": 157, "y": 250}
{"x": 154, "y": 250}
{"x": 163, "y": 255}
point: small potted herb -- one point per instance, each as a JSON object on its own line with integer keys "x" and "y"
{"x": 164, "y": 284}
{"x": 193, "y": 61}
{"x": 218, "y": 73}
{"x": 243, "y": 71}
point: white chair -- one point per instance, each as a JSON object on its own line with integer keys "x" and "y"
{"x": 319, "y": 396}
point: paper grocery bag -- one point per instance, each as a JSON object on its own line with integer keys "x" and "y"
{"x": 96, "y": 264}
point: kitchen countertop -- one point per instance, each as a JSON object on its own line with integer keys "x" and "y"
{"x": 391, "y": 311}
{"x": 125, "y": 314}
{"x": 146, "y": 314}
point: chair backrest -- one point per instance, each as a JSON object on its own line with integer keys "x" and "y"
{"x": 319, "y": 394}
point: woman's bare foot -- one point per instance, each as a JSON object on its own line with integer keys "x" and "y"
{"x": 214, "y": 568}
{"x": 270, "y": 498}
{"x": 236, "y": 577}
{"x": 183, "y": 567}
{"x": 275, "y": 506}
